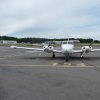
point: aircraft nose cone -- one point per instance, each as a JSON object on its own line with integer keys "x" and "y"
{"x": 67, "y": 49}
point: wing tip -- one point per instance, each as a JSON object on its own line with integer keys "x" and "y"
{"x": 13, "y": 47}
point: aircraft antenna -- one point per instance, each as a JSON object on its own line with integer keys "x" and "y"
{"x": 68, "y": 38}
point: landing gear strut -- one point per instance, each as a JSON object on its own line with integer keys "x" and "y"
{"x": 67, "y": 58}
{"x": 82, "y": 57}
{"x": 53, "y": 55}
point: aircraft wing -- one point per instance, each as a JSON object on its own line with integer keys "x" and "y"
{"x": 57, "y": 51}
{"x": 26, "y": 48}
{"x": 77, "y": 51}
{"x": 34, "y": 49}
{"x": 80, "y": 51}
{"x": 95, "y": 50}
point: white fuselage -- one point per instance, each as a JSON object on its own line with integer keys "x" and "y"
{"x": 67, "y": 48}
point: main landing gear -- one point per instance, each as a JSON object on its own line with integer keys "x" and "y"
{"x": 53, "y": 55}
{"x": 66, "y": 57}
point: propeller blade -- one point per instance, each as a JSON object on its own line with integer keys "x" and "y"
{"x": 91, "y": 43}
{"x": 82, "y": 54}
{"x": 41, "y": 53}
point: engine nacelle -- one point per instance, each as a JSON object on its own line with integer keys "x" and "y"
{"x": 51, "y": 47}
{"x": 86, "y": 48}
{"x": 48, "y": 49}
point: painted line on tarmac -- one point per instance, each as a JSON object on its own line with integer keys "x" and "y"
{"x": 49, "y": 65}
{"x": 66, "y": 64}
{"x": 11, "y": 65}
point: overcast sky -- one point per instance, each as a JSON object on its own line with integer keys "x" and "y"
{"x": 50, "y": 18}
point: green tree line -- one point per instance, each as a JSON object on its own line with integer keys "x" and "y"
{"x": 41, "y": 40}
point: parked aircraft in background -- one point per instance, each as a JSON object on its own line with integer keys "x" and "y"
{"x": 67, "y": 48}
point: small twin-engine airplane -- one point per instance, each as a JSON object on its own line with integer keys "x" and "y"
{"x": 67, "y": 48}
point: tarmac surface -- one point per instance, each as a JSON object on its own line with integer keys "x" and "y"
{"x": 34, "y": 76}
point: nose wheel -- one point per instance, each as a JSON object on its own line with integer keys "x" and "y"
{"x": 53, "y": 55}
{"x": 67, "y": 58}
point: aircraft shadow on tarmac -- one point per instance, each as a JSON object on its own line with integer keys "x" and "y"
{"x": 62, "y": 58}
{"x": 84, "y": 58}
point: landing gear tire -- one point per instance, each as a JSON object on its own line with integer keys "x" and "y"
{"x": 82, "y": 57}
{"x": 53, "y": 55}
{"x": 67, "y": 58}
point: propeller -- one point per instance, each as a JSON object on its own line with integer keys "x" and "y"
{"x": 41, "y": 53}
{"x": 86, "y": 49}
{"x": 91, "y": 43}
{"x": 82, "y": 54}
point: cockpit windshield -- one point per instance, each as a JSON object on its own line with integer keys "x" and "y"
{"x": 67, "y": 42}
{"x": 64, "y": 42}
{"x": 70, "y": 42}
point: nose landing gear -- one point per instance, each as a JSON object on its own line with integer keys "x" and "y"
{"x": 67, "y": 58}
